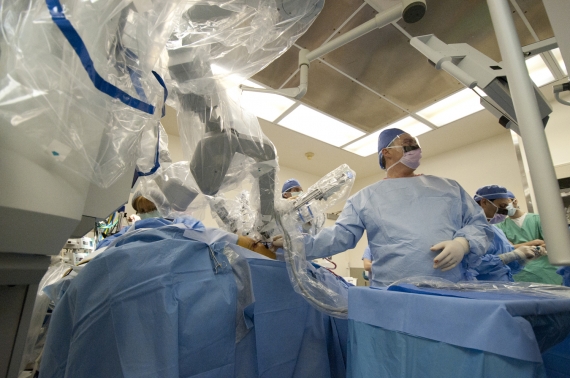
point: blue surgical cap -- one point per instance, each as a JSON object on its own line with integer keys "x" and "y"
{"x": 491, "y": 192}
{"x": 384, "y": 139}
{"x": 510, "y": 194}
{"x": 291, "y": 183}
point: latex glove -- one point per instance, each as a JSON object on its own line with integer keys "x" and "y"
{"x": 530, "y": 253}
{"x": 277, "y": 242}
{"x": 452, "y": 252}
{"x": 535, "y": 242}
{"x": 523, "y": 254}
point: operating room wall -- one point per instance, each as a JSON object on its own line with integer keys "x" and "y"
{"x": 491, "y": 161}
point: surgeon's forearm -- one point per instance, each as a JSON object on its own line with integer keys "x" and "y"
{"x": 509, "y": 257}
{"x": 330, "y": 241}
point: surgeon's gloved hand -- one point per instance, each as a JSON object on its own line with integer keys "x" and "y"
{"x": 527, "y": 253}
{"x": 535, "y": 242}
{"x": 523, "y": 254}
{"x": 277, "y": 243}
{"x": 452, "y": 252}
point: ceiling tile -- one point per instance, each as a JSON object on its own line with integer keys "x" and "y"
{"x": 275, "y": 74}
{"x": 468, "y": 22}
{"x": 385, "y": 61}
{"x": 334, "y": 13}
{"x": 536, "y": 15}
{"x": 337, "y": 95}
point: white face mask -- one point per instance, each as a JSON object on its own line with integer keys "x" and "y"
{"x": 511, "y": 209}
{"x": 295, "y": 194}
{"x": 410, "y": 159}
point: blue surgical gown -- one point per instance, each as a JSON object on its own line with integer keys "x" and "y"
{"x": 403, "y": 218}
{"x": 492, "y": 267}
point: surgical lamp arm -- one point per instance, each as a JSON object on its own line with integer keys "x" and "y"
{"x": 443, "y": 62}
{"x": 561, "y": 88}
{"x": 382, "y": 19}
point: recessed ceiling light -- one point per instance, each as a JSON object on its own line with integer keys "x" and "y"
{"x": 369, "y": 145}
{"x": 365, "y": 146}
{"x": 320, "y": 126}
{"x": 452, "y": 108}
{"x": 268, "y": 106}
{"x": 538, "y": 71}
{"x": 558, "y": 56}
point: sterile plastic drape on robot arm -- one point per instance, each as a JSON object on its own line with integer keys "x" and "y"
{"x": 77, "y": 79}
{"x": 332, "y": 188}
{"x": 173, "y": 190}
{"x": 239, "y": 38}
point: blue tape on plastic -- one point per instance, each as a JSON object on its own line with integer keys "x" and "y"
{"x": 156, "y": 162}
{"x": 161, "y": 82}
{"x": 69, "y": 32}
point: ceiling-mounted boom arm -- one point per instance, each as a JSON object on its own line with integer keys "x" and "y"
{"x": 410, "y": 10}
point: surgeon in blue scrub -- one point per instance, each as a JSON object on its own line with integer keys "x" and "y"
{"x": 417, "y": 225}
{"x": 502, "y": 260}
{"x": 291, "y": 189}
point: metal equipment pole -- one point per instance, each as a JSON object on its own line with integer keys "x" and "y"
{"x": 549, "y": 202}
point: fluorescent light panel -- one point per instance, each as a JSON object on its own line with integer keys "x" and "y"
{"x": 558, "y": 56}
{"x": 452, "y": 108}
{"x": 538, "y": 71}
{"x": 369, "y": 145}
{"x": 268, "y": 106}
{"x": 480, "y": 92}
{"x": 317, "y": 125}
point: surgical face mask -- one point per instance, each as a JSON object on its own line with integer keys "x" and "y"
{"x": 150, "y": 214}
{"x": 295, "y": 194}
{"x": 411, "y": 158}
{"x": 511, "y": 209}
{"x": 500, "y": 214}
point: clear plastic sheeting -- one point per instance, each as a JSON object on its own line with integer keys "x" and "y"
{"x": 173, "y": 190}
{"x": 225, "y": 147}
{"x": 332, "y": 188}
{"x": 526, "y": 288}
{"x": 40, "y": 319}
{"x": 228, "y": 41}
{"x": 153, "y": 150}
{"x": 76, "y": 78}
{"x": 214, "y": 47}
{"x": 235, "y": 216}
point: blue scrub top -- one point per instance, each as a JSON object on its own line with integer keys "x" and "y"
{"x": 403, "y": 218}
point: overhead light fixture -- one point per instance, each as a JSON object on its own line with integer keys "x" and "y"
{"x": 452, "y": 108}
{"x": 268, "y": 106}
{"x": 369, "y": 145}
{"x": 480, "y": 92}
{"x": 558, "y": 55}
{"x": 320, "y": 126}
{"x": 538, "y": 71}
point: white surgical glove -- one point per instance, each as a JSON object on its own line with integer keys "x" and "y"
{"x": 523, "y": 254}
{"x": 277, "y": 241}
{"x": 452, "y": 252}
